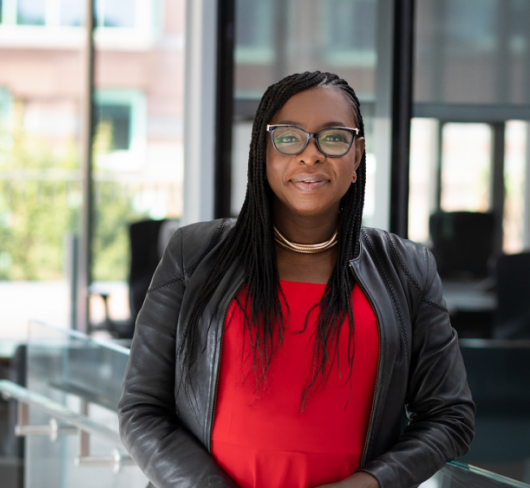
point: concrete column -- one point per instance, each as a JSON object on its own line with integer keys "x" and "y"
{"x": 199, "y": 110}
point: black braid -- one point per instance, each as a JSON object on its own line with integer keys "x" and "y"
{"x": 251, "y": 242}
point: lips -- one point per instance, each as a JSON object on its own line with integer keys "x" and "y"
{"x": 308, "y": 183}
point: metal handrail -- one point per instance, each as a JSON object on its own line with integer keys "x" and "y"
{"x": 74, "y": 334}
{"x": 75, "y": 423}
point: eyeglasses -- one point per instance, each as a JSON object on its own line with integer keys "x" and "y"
{"x": 333, "y": 143}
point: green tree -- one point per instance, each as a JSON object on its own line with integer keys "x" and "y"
{"x": 40, "y": 201}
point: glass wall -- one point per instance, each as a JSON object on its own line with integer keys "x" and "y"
{"x": 40, "y": 192}
{"x": 137, "y": 146}
{"x": 276, "y": 38}
{"x": 469, "y": 198}
{"x": 138, "y": 154}
{"x": 472, "y": 70}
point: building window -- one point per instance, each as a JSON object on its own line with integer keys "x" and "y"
{"x": 118, "y": 118}
{"x": 121, "y": 14}
{"x": 31, "y": 12}
{"x": 120, "y": 129}
{"x": 115, "y": 13}
{"x": 72, "y": 12}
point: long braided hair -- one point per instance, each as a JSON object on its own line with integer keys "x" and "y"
{"x": 251, "y": 243}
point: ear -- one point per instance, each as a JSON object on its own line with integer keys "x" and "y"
{"x": 359, "y": 150}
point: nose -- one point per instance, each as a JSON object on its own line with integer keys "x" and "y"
{"x": 311, "y": 154}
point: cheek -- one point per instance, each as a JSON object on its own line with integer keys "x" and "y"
{"x": 274, "y": 169}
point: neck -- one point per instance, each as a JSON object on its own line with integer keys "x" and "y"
{"x": 305, "y": 229}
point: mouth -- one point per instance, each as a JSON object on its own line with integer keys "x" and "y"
{"x": 309, "y": 183}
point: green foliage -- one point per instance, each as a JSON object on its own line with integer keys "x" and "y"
{"x": 40, "y": 201}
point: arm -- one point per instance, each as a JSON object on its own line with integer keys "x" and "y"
{"x": 439, "y": 405}
{"x": 164, "y": 450}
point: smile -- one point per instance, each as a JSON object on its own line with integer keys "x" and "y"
{"x": 309, "y": 184}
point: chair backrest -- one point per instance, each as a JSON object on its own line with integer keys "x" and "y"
{"x": 462, "y": 243}
{"x": 143, "y": 238}
{"x": 512, "y": 281}
{"x": 148, "y": 240}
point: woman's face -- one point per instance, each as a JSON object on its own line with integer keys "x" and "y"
{"x": 310, "y": 183}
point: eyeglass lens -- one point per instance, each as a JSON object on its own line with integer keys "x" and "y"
{"x": 332, "y": 142}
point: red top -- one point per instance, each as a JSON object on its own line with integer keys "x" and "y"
{"x": 265, "y": 441}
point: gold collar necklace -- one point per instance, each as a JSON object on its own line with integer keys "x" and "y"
{"x": 304, "y": 248}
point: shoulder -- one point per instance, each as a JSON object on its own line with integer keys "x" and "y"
{"x": 203, "y": 232}
{"x": 193, "y": 242}
{"x": 408, "y": 257}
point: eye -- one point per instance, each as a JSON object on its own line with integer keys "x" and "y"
{"x": 287, "y": 136}
{"x": 286, "y": 139}
{"x": 334, "y": 137}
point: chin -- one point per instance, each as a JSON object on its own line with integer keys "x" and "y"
{"x": 311, "y": 210}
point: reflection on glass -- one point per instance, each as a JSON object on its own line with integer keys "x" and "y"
{"x": 31, "y": 12}
{"x": 466, "y": 163}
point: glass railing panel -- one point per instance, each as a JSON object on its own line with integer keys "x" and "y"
{"x": 85, "y": 376}
{"x": 456, "y": 474}
{"x": 459, "y": 475}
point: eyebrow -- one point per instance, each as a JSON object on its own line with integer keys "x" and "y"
{"x": 298, "y": 124}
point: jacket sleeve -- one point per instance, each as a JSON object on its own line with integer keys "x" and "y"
{"x": 150, "y": 429}
{"x": 439, "y": 406}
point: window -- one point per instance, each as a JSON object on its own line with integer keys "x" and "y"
{"x": 254, "y": 32}
{"x": 31, "y": 12}
{"x": 71, "y": 13}
{"x": 347, "y": 32}
{"x": 115, "y": 13}
{"x": 472, "y": 23}
{"x": 119, "y": 119}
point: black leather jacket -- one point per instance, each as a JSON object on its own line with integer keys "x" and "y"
{"x": 420, "y": 366}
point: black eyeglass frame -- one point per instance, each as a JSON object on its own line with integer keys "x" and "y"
{"x": 314, "y": 135}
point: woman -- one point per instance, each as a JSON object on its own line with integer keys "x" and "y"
{"x": 283, "y": 349}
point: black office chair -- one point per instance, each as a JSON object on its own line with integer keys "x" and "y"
{"x": 462, "y": 243}
{"x": 148, "y": 240}
{"x": 512, "y": 281}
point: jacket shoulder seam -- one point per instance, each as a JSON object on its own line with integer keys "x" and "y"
{"x": 213, "y": 243}
{"x": 409, "y": 276}
{"x": 215, "y": 239}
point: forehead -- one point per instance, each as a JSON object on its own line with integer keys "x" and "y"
{"x": 317, "y": 106}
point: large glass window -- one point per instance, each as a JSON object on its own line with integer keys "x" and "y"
{"x": 469, "y": 190}
{"x": 40, "y": 191}
{"x": 137, "y": 148}
{"x": 138, "y": 154}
